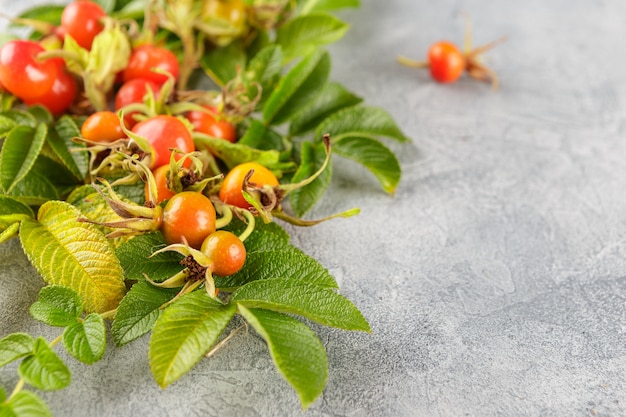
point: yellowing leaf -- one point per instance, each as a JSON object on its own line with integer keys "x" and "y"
{"x": 94, "y": 207}
{"x": 73, "y": 254}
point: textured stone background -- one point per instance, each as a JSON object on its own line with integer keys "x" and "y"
{"x": 494, "y": 280}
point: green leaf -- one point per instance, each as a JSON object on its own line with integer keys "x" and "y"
{"x": 336, "y": 4}
{"x": 235, "y": 153}
{"x": 184, "y": 333}
{"x": 6, "y": 125}
{"x": 43, "y": 369}
{"x": 73, "y": 254}
{"x": 19, "y": 152}
{"x": 21, "y": 117}
{"x": 35, "y": 189}
{"x": 41, "y": 114}
{"x": 25, "y": 404}
{"x": 9, "y": 205}
{"x": 57, "y": 306}
{"x": 312, "y": 159}
{"x": 120, "y": 4}
{"x": 290, "y": 262}
{"x": 81, "y": 196}
{"x": 132, "y": 192}
{"x": 47, "y": 13}
{"x": 221, "y": 64}
{"x": 293, "y": 296}
{"x": 265, "y": 69}
{"x": 7, "y": 100}
{"x": 361, "y": 121}
{"x": 12, "y": 211}
{"x": 56, "y": 173}
{"x": 136, "y": 258}
{"x": 139, "y": 311}
{"x": 265, "y": 237}
{"x": 266, "y": 64}
{"x": 130, "y": 9}
{"x": 304, "y": 34}
{"x": 107, "y": 5}
{"x": 10, "y": 232}
{"x": 296, "y": 351}
{"x": 332, "y": 98}
{"x": 374, "y": 156}
{"x": 85, "y": 340}
{"x": 3, "y": 396}
{"x": 67, "y": 151}
{"x": 14, "y": 347}
{"x": 297, "y": 88}
{"x": 326, "y": 5}
{"x": 261, "y": 40}
{"x": 259, "y": 136}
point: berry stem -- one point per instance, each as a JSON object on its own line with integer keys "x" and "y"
{"x": 225, "y": 340}
{"x": 109, "y": 314}
{"x": 467, "y": 39}
{"x": 408, "y": 62}
{"x": 226, "y": 213}
{"x": 18, "y": 387}
{"x": 301, "y": 222}
{"x": 287, "y": 188}
{"x": 251, "y": 222}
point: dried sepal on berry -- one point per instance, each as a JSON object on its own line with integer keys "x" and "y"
{"x": 134, "y": 218}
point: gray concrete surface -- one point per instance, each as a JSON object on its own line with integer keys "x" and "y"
{"x": 494, "y": 280}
